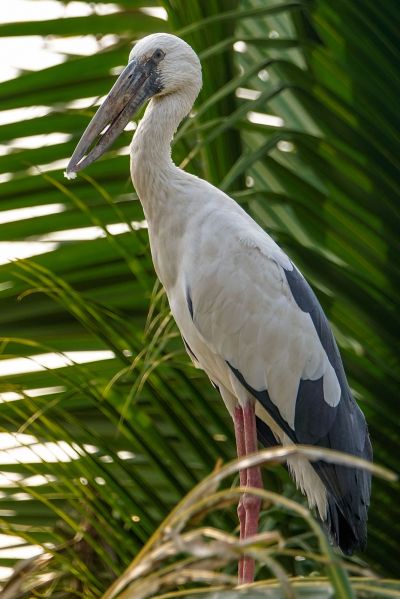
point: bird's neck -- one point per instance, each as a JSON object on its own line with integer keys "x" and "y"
{"x": 152, "y": 168}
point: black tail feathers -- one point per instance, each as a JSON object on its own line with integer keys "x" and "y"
{"x": 347, "y": 533}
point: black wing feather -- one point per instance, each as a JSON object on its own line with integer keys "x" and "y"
{"x": 341, "y": 427}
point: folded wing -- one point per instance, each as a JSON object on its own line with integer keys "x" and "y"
{"x": 255, "y": 310}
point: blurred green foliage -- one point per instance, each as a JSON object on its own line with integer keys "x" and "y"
{"x": 297, "y": 121}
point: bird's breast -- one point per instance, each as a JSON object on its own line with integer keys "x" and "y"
{"x": 166, "y": 246}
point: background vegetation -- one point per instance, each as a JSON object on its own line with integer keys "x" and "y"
{"x": 297, "y": 120}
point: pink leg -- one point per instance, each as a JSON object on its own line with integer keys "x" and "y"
{"x": 252, "y": 504}
{"x": 249, "y": 505}
{"x": 241, "y": 451}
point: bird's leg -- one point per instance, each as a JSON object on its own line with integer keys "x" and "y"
{"x": 241, "y": 451}
{"x": 249, "y": 505}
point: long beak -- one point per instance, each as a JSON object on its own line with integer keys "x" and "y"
{"x": 134, "y": 86}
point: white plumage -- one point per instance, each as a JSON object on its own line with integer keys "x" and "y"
{"x": 247, "y": 316}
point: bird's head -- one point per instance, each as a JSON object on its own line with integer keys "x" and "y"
{"x": 159, "y": 64}
{"x": 178, "y": 66}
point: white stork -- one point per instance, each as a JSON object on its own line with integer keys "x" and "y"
{"x": 247, "y": 316}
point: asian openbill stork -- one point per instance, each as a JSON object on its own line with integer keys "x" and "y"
{"x": 247, "y": 316}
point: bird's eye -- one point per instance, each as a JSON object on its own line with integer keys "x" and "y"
{"x": 158, "y": 55}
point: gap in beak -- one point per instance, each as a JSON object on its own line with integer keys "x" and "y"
{"x": 100, "y": 136}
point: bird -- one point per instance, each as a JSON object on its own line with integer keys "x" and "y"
{"x": 246, "y": 314}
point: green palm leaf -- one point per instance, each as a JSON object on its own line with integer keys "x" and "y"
{"x": 299, "y": 126}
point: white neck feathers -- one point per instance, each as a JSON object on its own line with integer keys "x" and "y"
{"x": 151, "y": 164}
